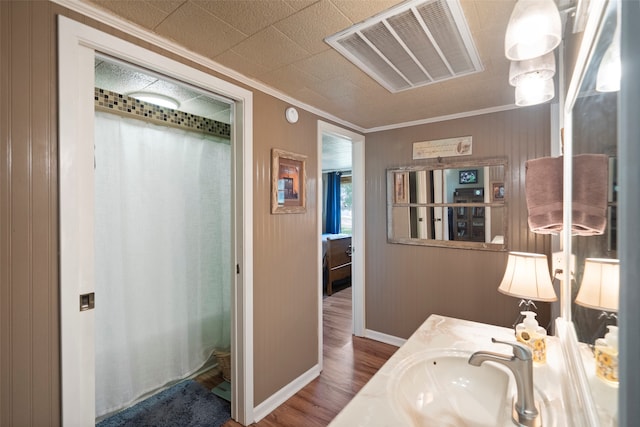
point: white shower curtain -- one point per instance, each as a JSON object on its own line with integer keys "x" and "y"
{"x": 163, "y": 257}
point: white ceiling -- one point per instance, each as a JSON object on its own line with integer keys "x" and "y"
{"x": 280, "y": 44}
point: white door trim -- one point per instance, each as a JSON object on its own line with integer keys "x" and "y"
{"x": 357, "y": 239}
{"x": 76, "y": 46}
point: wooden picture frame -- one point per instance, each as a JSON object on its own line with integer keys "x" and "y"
{"x": 497, "y": 191}
{"x": 400, "y": 190}
{"x": 288, "y": 182}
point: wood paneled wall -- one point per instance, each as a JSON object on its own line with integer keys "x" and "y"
{"x": 405, "y": 284}
{"x": 29, "y": 335}
{"x": 285, "y": 252}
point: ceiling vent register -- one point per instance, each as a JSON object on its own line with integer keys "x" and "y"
{"x": 414, "y": 44}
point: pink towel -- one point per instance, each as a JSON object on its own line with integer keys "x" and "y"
{"x": 543, "y": 189}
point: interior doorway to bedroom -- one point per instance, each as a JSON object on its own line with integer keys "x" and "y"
{"x": 340, "y": 232}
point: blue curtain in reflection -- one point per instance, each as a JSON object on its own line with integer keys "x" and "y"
{"x": 333, "y": 202}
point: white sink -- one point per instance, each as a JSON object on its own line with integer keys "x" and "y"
{"x": 440, "y": 388}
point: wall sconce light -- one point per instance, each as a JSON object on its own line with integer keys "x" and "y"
{"x": 540, "y": 68}
{"x": 534, "y": 29}
{"x": 534, "y": 91}
{"x": 610, "y": 69}
{"x": 527, "y": 277}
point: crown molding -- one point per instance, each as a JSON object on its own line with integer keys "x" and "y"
{"x": 443, "y": 118}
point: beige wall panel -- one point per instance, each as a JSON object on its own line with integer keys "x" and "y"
{"x": 29, "y": 352}
{"x": 285, "y": 250}
{"x": 405, "y": 284}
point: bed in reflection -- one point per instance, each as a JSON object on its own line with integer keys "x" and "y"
{"x": 336, "y": 259}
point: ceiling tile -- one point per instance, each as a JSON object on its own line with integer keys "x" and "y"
{"x": 141, "y": 13}
{"x": 270, "y": 48}
{"x": 246, "y": 66}
{"x": 336, "y": 88}
{"x": 199, "y": 31}
{"x": 300, "y": 4}
{"x": 248, "y": 16}
{"x": 289, "y": 78}
{"x": 359, "y": 10}
{"x": 167, "y": 6}
{"x": 328, "y": 65}
{"x": 120, "y": 79}
{"x": 310, "y": 26}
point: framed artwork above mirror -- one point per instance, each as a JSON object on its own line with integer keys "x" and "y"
{"x": 459, "y": 204}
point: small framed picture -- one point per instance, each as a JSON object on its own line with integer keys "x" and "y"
{"x": 288, "y": 182}
{"x": 400, "y": 190}
{"x": 497, "y": 191}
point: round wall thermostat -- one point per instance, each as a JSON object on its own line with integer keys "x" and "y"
{"x": 291, "y": 114}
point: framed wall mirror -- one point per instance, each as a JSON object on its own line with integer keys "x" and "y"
{"x": 450, "y": 204}
{"x": 591, "y": 117}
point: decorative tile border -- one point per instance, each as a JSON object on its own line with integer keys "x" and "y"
{"x": 112, "y": 101}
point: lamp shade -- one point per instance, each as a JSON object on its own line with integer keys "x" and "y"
{"x": 610, "y": 69}
{"x": 527, "y": 276}
{"x": 534, "y": 29}
{"x": 539, "y": 68}
{"x": 600, "y": 284}
{"x": 534, "y": 91}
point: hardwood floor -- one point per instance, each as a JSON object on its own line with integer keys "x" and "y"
{"x": 349, "y": 362}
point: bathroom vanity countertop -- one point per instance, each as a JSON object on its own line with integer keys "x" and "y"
{"x": 372, "y": 406}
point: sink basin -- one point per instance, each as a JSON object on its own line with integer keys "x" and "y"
{"x": 440, "y": 388}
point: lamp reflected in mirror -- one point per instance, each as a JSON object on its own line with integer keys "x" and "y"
{"x": 600, "y": 286}
{"x": 599, "y": 290}
{"x": 610, "y": 69}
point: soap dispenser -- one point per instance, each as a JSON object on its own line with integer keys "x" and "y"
{"x": 533, "y": 336}
{"x": 606, "y": 353}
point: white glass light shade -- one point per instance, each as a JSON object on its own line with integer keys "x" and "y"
{"x": 600, "y": 284}
{"x": 534, "y": 29}
{"x": 527, "y": 276}
{"x": 540, "y": 68}
{"x": 534, "y": 91}
{"x": 156, "y": 99}
{"x": 610, "y": 69}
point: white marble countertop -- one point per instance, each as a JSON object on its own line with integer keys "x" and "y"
{"x": 372, "y": 406}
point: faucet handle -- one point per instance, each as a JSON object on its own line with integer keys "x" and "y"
{"x": 520, "y": 351}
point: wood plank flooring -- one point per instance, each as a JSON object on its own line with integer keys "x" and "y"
{"x": 349, "y": 362}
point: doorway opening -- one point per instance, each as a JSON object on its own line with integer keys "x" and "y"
{"x": 341, "y": 154}
{"x": 163, "y": 252}
{"x": 78, "y": 45}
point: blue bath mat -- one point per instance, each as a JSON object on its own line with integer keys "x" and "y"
{"x": 186, "y": 404}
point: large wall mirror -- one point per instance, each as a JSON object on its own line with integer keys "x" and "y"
{"x": 457, "y": 204}
{"x": 591, "y": 114}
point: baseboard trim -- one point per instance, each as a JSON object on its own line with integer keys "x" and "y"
{"x": 281, "y": 396}
{"x": 387, "y": 339}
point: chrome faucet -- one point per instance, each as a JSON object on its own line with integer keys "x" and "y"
{"x": 525, "y": 410}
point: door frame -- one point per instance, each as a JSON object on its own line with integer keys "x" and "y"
{"x": 358, "y": 235}
{"x": 77, "y": 44}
